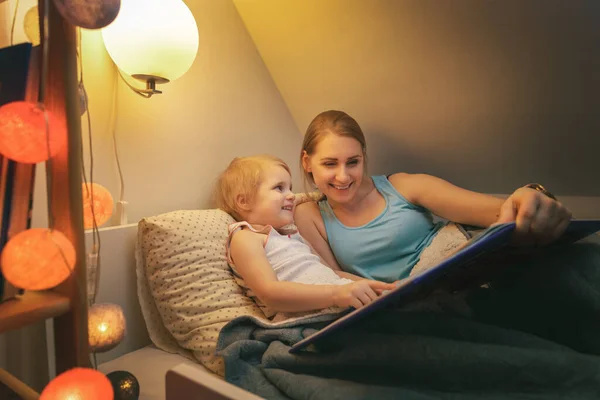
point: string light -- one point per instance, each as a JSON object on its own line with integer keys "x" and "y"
{"x": 125, "y": 385}
{"x": 106, "y": 326}
{"x": 97, "y": 204}
{"x": 38, "y": 259}
{"x": 23, "y": 132}
{"x": 89, "y": 14}
{"x": 31, "y": 25}
{"x": 79, "y": 384}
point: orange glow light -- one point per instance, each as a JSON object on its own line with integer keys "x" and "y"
{"x": 103, "y": 205}
{"x": 23, "y": 136}
{"x": 32, "y": 259}
{"x": 79, "y": 384}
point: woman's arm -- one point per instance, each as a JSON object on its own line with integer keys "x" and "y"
{"x": 539, "y": 219}
{"x": 448, "y": 201}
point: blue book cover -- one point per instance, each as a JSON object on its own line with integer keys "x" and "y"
{"x": 472, "y": 264}
{"x": 15, "y": 178}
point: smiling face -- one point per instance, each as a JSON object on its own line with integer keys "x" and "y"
{"x": 337, "y": 167}
{"x": 273, "y": 203}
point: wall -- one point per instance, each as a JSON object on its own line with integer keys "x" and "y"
{"x": 487, "y": 94}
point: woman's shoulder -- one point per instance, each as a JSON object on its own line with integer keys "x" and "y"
{"x": 406, "y": 184}
{"x": 309, "y": 209}
{"x": 307, "y": 216}
{"x": 400, "y": 178}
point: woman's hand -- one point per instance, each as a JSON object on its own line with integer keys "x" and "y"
{"x": 359, "y": 293}
{"x": 539, "y": 219}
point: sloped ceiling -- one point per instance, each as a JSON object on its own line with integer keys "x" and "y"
{"x": 488, "y": 94}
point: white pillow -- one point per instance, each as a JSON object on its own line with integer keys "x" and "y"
{"x": 186, "y": 290}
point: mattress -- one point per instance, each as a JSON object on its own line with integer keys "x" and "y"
{"x": 149, "y": 365}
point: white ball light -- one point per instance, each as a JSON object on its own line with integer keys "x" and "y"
{"x": 106, "y": 326}
{"x": 155, "y": 38}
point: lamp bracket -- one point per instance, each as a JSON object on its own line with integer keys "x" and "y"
{"x": 151, "y": 82}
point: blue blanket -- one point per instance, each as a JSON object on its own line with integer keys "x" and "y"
{"x": 534, "y": 335}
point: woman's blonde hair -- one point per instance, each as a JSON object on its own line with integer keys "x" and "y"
{"x": 242, "y": 177}
{"x": 332, "y": 121}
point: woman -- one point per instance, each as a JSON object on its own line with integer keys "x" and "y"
{"x": 377, "y": 227}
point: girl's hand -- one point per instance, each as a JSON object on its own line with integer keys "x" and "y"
{"x": 539, "y": 219}
{"x": 359, "y": 293}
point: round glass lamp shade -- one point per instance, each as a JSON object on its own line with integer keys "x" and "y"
{"x": 100, "y": 199}
{"x": 156, "y": 38}
{"x": 106, "y": 326}
{"x": 38, "y": 259}
{"x": 79, "y": 383}
{"x": 23, "y": 134}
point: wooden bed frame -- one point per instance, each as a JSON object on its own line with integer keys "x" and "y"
{"x": 186, "y": 383}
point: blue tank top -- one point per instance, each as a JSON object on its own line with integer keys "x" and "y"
{"x": 389, "y": 246}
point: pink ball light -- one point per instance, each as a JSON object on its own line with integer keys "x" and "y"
{"x": 79, "y": 384}
{"x": 23, "y": 133}
{"x": 102, "y": 202}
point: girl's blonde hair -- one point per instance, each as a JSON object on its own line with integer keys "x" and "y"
{"x": 332, "y": 121}
{"x": 242, "y": 178}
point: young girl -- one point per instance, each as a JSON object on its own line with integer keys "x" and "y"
{"x": 275, "y": 263}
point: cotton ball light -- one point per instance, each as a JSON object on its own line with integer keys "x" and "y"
{"x": 106, "y": 326}
{"x": 31, "y": 25}
{"x": 89, "y": 14}
{"x": 79, "y": 384}
{"x": 23, "y": 134}
{"x": 125, "y": 385}
{"x": 102, "y": 201}
{"x": 38, "y": 259}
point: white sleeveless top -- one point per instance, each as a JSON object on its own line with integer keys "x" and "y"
{"x": 292, "y": 260}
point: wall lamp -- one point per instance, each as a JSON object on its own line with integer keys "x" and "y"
{"x": 153, "y": 41}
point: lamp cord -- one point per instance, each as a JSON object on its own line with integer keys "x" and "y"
{"x": 114, "y": 136}
{"x": 135, "y": 90}
{"x": 89, "y": 187}
{"x": 14, "y": 20}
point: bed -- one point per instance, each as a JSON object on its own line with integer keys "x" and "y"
{"x": 149, "y": 365}
{"x": 189, "y": 306}
{"x": 165, "y": 375}
{"x": 149, "y": 350}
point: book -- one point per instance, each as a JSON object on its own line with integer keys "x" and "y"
{"x": 16, "y": 179}
{"x": 472, "y": 264}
